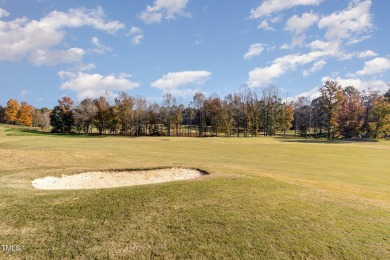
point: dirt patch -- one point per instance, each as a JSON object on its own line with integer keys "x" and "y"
{"x": 107, "y": 179}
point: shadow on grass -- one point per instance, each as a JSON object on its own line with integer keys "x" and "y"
{"x": 325, "y": 141}
{"x": 35, "y": 132}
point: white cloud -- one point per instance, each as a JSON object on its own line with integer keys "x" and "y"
{"x": 298, "y": 25}
{"x": 172, "y": 81}
{"x": 137, "y": 35}
{"x": 95, "y": 85}
{"x": 254, "y": 50}
{"x": 99, "y": 47}
{"x": 359, "y": 84}
{"x": 330, "y": 48}
{"x": 375, "y": 66}
{"x": 53, "y": 57}
{"x": 310, "y": 94}
{"x": 316, "y": 67}
{"x": 366, "y": 54}
{"x": 81, "y": 17}
{"x": 349, "y": 23}
{"x": 22, "y": 38}
{"x": 163, "y": 9}
{"x": 269, "y": 7}
{"x": 3, "y": 13}
{"x": 260, "y": 77}
{"x": 264, "y": 25}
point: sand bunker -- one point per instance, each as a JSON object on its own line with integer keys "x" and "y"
{"x": 98, "y": 180}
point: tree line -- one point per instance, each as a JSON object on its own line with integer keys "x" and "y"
{"x": 337, "y": 112}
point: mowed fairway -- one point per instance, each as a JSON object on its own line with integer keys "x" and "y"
{"x": 264, "y": 198}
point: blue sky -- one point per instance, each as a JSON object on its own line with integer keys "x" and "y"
{"x": 88, "y": 48}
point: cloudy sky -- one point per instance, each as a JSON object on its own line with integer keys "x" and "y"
{"x": 88, "y": 48}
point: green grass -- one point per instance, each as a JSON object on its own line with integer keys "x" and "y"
{"x": 264, "y": 198}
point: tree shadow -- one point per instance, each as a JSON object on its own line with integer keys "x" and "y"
{"x": 325, "y": 141}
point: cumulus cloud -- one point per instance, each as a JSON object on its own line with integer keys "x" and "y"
{"x": 172, "y": 81}
{"x": 264, "y": 25}
{"x": 136, "y": 34}
{"x": 3, "y": 13}
{"x": 52, "y": 57}
{"x": 317, "y": 66}
{"x": 163, "y": 9}
{"x": 263, "y": 76}
{"x": 37, "y": 40}
{"x": 254, "y": 50}
{"x": 269, "y": 7}
{"x": 359, "y": 84}
{"x": 95, "y": 85}
{"x": 297, "y": 25}
{"x": 366, "y": 54}
{"x": 375, "y": 66}
{"x": 99, "y": 47}
{"x": 348, "y": 23}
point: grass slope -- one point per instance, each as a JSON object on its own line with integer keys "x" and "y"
{"x": 263, "y": 198}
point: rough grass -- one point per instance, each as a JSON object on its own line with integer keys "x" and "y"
{"x": 264, "y": 198}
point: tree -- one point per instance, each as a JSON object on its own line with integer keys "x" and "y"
{"x": 198, "y": 102}
{"x": 302, "y": 116}
{"x": 318, "y": 116}
{"x": 56, "y": 120}
{"x": 381, "y": 117}
{"x": 84, "y": 115}
{"x": 169, "y": 103}
{"x": 11, "y": 111}
{"x": 253, "y": 110}
{"x": 101, "y": 120}
{"x": 287, "y": 117}
{"x": 270, "y": 110}
{"x": 124, "y": 107}
{"x": 350, "y": 114}
{"x": 213, "y": 108}
{"x": 2, "y": 115}
{"x": 387, "y": 94}
{"x": 66, "y": 105}
{"x": 332, "y": 97}
{"x": 25, "y": 114}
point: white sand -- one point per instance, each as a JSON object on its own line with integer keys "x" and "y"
{"x": 98, "y": 180}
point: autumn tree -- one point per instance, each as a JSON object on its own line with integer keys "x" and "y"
{"x": 381, "y": 117}
{"x": 140, "y": 116}
{"x": 153, "y": 116}
{"x": 213, "y": 109}
{"x": 124, "y": 108}
{"x": 169, "y": 102}
{"x": 287, "y": 117}
{"x": 198, "y": 103}
{"x": 2, "y": 114}
{"x": 253, "y": 111}
{"x": 25, "y": 114}
{"x": 387, "y": 94}
{"x": 350, "y": 113}
{"x": 84, "y": 115}
{"x": 332, "y": 97}
{"x": 66, "y": 105}
{"x": 318, "y": 117}
{"x": 101, "y": 119}
{"x": 11, "y": 111}
{"x": 270, "y": 107}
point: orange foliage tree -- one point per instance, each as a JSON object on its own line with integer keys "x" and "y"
{"x": 11, "y": 110}
{"x": 25, "y": 116}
